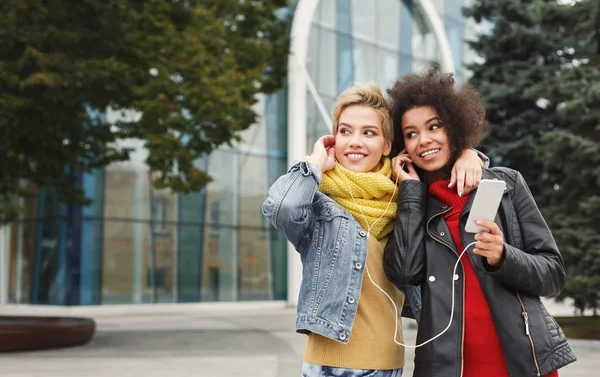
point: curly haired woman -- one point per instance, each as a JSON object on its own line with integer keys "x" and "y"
{"x": 489, "y": 314}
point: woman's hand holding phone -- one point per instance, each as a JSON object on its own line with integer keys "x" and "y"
{"x": 490, "y": 244}
{"x": 323, "y": 154}
{"x": 402, "y": 168}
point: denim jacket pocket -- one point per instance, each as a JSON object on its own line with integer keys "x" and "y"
{"x": 332, "y": 228}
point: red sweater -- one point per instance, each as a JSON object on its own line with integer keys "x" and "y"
{"x": 482, "y": 352}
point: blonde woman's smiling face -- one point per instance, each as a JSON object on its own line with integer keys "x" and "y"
{"x": 359, "y": 141}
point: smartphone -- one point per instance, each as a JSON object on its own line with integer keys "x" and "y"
{"x": 485, "y": 205}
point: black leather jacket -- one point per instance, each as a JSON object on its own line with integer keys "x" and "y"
{"x": 421, "y": 252}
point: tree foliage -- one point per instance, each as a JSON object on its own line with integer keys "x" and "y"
{"x": 190, "y": 70}
{"x": 541, "y": 81}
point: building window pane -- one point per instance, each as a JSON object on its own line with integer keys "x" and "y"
{"x": 364, "y": 62}
{"x": 325, "y": 13}
{"x": 316, "y": 125}
{"x": 159, "y": 216}
{"x": 422, "y": 65}
{"x": 388, "y": 23}
{"x": 322, "y": 60}
{"x": 214, "y": 216}
{"x": 387, "y": 68}
{"x": 127, "y": 244}
{"x": 364, "y": 19}
{"x": 424, "y": 43}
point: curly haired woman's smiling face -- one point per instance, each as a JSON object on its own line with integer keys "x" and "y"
{"x": 425, "y": 139}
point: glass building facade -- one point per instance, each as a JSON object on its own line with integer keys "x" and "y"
{"x": 135, "y": 244}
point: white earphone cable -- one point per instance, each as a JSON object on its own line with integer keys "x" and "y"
{"x": 396, "y": 308}
{"x": 369, "y": 226}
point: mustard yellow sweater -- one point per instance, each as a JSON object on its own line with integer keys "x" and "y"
{"x": 371, "y": 344}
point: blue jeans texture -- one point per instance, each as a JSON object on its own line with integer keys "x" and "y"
{"x": 312, "y": 370}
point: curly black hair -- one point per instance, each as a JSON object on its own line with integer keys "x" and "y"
{"x": 460, "y": 109}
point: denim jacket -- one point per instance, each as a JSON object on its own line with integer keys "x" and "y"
{"x": 333, "y": 250}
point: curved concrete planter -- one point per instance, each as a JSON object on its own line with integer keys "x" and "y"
{"x": 21, "y": 333}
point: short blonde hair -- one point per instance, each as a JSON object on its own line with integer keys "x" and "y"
{"x": 366, "y": 94}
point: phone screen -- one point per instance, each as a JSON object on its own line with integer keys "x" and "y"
{"x": 486, "y": 203}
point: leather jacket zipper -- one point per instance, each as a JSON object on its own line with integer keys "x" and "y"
{"x": 524, "y": 314}
{"x": 527, "y": 332}
{"x": 462, "y": 336}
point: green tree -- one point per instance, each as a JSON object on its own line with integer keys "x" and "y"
{"x": 190, "y": 70}
{"x": 537, "y": 78}
{"x": 516, "y": 54}
{"x": 571, "y": 150}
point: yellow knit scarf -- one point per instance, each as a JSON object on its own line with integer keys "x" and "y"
{"x": 372, "y": 191}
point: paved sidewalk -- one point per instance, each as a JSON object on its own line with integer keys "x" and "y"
{"x": 187, "y": 341}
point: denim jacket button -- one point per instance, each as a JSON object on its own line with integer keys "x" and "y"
{"x": 328, "y": 212}
{"x": 432, "y": 278}
{"x": 442, "y": 234}
{"x": 342, "y": 336}
{"x": 358, "y": 265}
{"x": 363, "y": 233}
{"x": 455, "y": 276}
{"x": 351, "y": 300}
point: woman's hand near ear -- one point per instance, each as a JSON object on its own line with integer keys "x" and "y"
{"x": 399, "y": 163}
{"x": 323, "y": 154}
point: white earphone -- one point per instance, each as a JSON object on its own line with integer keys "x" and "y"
{"x": 384, "y": 292}
{"x": 396, "y": 308}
